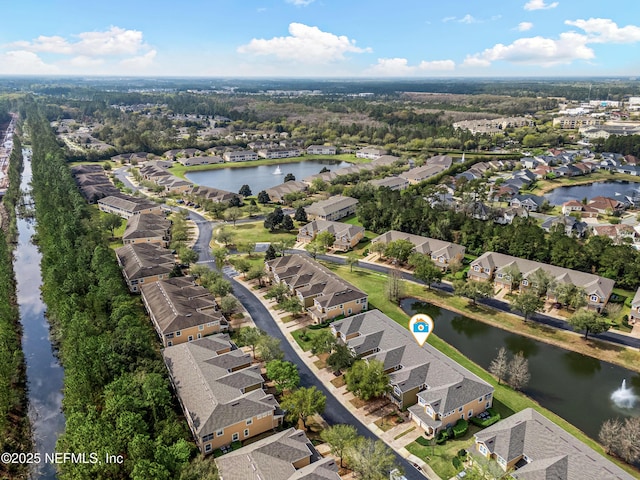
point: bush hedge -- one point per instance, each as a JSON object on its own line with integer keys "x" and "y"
{"x": 484, "y": 423}
{"x": 460, "y": 428}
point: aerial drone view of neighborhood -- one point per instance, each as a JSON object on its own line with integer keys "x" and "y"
{"x": 292, "y": 247}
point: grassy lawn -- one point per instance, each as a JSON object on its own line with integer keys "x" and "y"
{"x": 305, "y": 343}
{"x": 255, "y": 232}
{"x": 180, "y": 170}
{"x": 439, "y": 457}
{"x": 506, "y": 400}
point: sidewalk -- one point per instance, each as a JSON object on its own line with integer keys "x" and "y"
{"x": 391, "y": 437}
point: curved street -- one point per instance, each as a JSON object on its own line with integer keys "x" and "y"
{"x": 334, "y": 412}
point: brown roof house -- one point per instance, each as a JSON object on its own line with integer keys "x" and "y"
{"x": 286, "y": 455}
{"x": 346, "y": 236}
{"x": 496, "y": 266}
{"x": 334, "y": 208}
{"x": 277, "y": 193}
{"x": 182, "y": 311}
{"x": 531, "y": 447}
{"x": 126, "y": 206}
{"x": 150, "y": 228}
{"x": 144, "y": 263}
{"x": 441, "y": 252}
{"x": 436, "y": 390}
{"x": 220, "y": 392}
{"x": 321, "y": 292}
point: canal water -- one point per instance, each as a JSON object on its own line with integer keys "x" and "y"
{"x": 44, "y": 373}
{"x": 576, "y": 387}
{"x": 262, "y": 177}
{"x": 617, "y": 190}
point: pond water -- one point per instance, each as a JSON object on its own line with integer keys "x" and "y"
{"x": 44, "y": 373}
{"x": 262, "y": 177}
{"x": 576, "y": 387}
{"x": 617, "y": 190}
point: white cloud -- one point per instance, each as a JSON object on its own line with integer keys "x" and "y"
{"x": 300, "y": 3}
{"x": 115, "y": 41}
{"x": 468, "y": 19}
{"x": 524, "y": 26}
{"x": 304, "y": 44}
{"x": 605, "y": 30}
{"x": 448, "y": 19}
{"x": 22, "y": 62}
{"x": 399, "y": 67}
{"x": 541, "y": 51}
{"x": 141, "y": 61}
{"x": 84, "y": 61}
{"x": 540, "y": 5}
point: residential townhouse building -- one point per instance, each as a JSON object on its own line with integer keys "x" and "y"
{"x": 371, "y": 153}
{"x": 620, "y": 234}
{"x": 324, "y": 294}
{"x": 204, "y": 160}
{"x": 346, "y": 236}
{"x": 149, "y": 228}
{"x": 529, "y": 446}
{"x": 239, "y": 156}
{"x": 419, "y": 174}
{"x": 182, "y": 311}
{"x": 220, "y": 392}
{"x": 334, "y": 208}
{"x": 393, "y": 182}
{"x": 495, "y": 267}
{"x": 572, "y": 226}
{"x": 321, "y": 150}
{"x": 126, "y": 206}
{"x": 277, "y": 193}
{"x": 436, "y": 390}
{"x": 172, "y": 184}
{"x": 214, "y": 194}
{"x": 279, "y": 152}
{"x": 143, "y": 263}
{"x": 574, "y": 206}
{"x": 531, "y": 203}
{"x": 286, "y": 455}
{"x": 574, "y": 122}
{"x": 440, "y": 252}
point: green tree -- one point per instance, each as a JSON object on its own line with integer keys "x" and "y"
{"x": 314, "y": 248}
{"x": 292, "y": 305}
{"x": 188, "y": 255}
{"x": 283, "y": 245}
{"x": 256, "y": 273}
{"x": 527, "y": 303}
{"x": 323, "y": 342}
{"x": 399, "y": 250}
{"x": 367, "y": 380}
{"x": 270, "y": 254}
{"x": 395, "y": 286}
{"x": 263, "y": 197}
{"x": 300, "y": 215}
{"x": 111, "y": 222}
{"x": 303, "y": 403}
{"x": 325, "y": 239}
{"x": 200, "y": 468}
{"x": 473, "y": 290}
{"x": 250, "y": 336}
{"x": 279, "y": 291}
{"x": 225, "y": 236}
{"x": 245, "y": 191}
{"x": 542, "y": 282}
{"x": 228, "y": 304}
{"x": 370, "y": 459}
{"x": 513, "y": 275}
{"x": 284, "y": 375}
{"x": 268, "y": 348}
{"x": 589, "y": 321}
{"x": 424, "y": 269}
{"x": 287, "y": 223}
{"x": 220, "y": 287}
{"x": 289, "y": 177}
{"x": 232, "y": 214}
{"x": 341, "y": 358}
{"x": 339, "y": 438}
{"x": 220, "y": 256}
{"x": 241, "y": 265}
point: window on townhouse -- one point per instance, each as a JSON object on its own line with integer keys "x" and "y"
{"x": 207, "y": 447}
{"x": 178, "y": 333}
{"x": 249, "y": 421}
{"x": 525, "y": 282}
{"x": 220, "y": 432}
{"x": 190, "y": 338}
{"x": 208, "y": 437}
{"x": 235, "y": 437}
{"x": 476, "y": 268}
{"x": 594, "y": 298}
{"x": 200, "y": 327}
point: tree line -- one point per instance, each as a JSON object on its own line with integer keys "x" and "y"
{"x": 412, "y": 212}
{"x": 117, "y": 398}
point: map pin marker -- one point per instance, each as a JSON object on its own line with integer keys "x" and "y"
{"x": 421, "y": 326}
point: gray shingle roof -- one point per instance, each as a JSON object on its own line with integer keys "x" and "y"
{"x": 331, "y": 205}
{"x": 142, "y": 260}
{"x": 424, "y": 245}
{"x": 552, "y": 452}
{"x": 210, "y": 394}
{"x": 146, "y": 226}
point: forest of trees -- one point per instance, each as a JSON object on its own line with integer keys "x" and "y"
{"x": 117, "y": 398}
{"x": 383, "y": 210}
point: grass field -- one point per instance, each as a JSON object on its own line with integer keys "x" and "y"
{"x": 255, "y": 232}
{"x": 506, "y": 400}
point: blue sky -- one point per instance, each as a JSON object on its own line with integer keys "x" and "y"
{"x": 322, "y": 38}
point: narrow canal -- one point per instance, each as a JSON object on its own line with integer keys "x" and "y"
{"x": 576, "y": 387}
{"x": 44, "y": 373}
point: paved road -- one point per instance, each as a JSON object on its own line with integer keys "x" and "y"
{"x": 612, "y": 337}
{"x": 335, "y": 412}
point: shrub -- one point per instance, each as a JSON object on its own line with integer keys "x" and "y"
{"x": 425, "y": 442}
{"x": 442, "y": 437}
{"x": 457, "y": 464}
{"x": 460, "y": 428}
{"x": 484, "y": 423}
{"x": 462, "y": 453}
